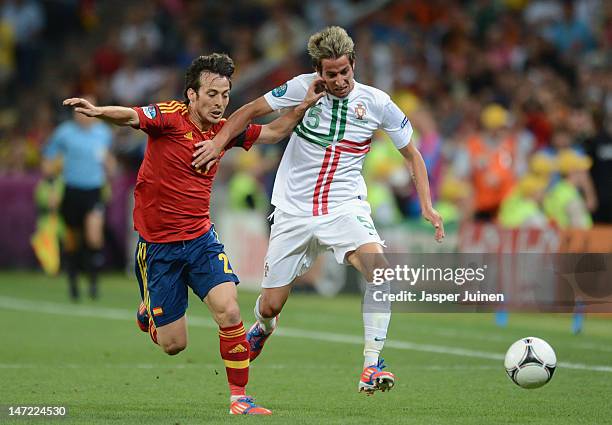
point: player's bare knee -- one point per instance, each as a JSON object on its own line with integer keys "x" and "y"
{"x": 368, "y": 260}
{"x": 173, "y": 347}
{"x": 229, "y": 316}
{"x": 270, "y": 306}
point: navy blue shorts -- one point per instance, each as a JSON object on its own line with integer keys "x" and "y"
{"x": 165, "y": 270}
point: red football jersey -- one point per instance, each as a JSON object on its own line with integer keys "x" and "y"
{"x": 171, "y": 198}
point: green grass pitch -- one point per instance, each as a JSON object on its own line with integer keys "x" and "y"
{"x": 91, "y": 358}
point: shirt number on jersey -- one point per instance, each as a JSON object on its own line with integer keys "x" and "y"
{"x": 226, "y": 269}
{"x": 313, "y": 119}
{"x": 366, "y": 223}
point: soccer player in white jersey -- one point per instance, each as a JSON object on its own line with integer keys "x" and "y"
{"x": 319, "y": 192}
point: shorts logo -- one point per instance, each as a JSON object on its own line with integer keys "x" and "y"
{"x": 404, "y": 122}
{"x": 360, "y": 111}
{"x": 237, "y": 349}
{"x": 280, "y": 90}
{"x": 189, "y": 135}
{"x": 149, "y": 111}
{"x": 266, "y": 269}
{"x": 158, "y": 311}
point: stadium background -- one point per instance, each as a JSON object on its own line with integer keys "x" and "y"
{"x": 519, "y": 72}
{"x": 542, "y": 64}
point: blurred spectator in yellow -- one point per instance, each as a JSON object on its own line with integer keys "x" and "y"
{"x": 564, "y": 204}
{"x": 27, "y": 19}
{"x": 245, "y": 190}
{"x": 7, "y": 51}
{"x": 381, "y": 170}
{"x": 279, "y": 36}
{"x": 454, "y": 195}
{"x": 50, "y": 229}
{"x": 488, "y": 162}
{"x": 562, "y": 140}
{"x": 522, "y": 206}
{"x": 543, "y": 165}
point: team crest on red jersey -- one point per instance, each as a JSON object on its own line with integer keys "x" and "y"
{"x": 149, "y": 111}
{"x": 360, "y": 111}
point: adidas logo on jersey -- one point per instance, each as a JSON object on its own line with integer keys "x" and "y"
{"x": 237, "y": 349}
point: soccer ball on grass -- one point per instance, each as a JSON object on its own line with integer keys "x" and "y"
{"x": 530, "y": 362}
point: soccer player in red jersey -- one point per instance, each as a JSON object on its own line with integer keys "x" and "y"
{"x": 178, "y": 246}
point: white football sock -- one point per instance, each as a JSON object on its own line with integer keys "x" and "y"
{"x": 267, "y": 324}
{"x": 376, "y": 317}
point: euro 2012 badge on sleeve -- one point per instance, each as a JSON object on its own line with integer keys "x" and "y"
{"x": 149, "y": 111}
{"x": 280, "y": 90}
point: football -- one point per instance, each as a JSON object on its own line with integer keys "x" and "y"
{"x": 530, "y": 362}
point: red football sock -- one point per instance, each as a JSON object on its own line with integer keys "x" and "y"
{"x": 235, "y": 353}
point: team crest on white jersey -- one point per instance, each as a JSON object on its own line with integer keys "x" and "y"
{"x": 360, "y": 111}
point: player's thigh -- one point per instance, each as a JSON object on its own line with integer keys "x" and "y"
{"x": 222, "y": 301}
{"x": 291, "y": 251}
{"x": 94, "y": 228}
{"x": 208, "y": 264}
{"x": 349, "y": 232}
{"x": 162, "y": 277}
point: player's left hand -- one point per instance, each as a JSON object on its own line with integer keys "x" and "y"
{"x": 82, "y": 106}
{"x": 435, "y": 219}
{"x": 207, "y": 153}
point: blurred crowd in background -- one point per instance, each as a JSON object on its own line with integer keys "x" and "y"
{"x": 511, "y": 100}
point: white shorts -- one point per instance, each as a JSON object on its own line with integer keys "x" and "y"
{"x": 296, "y": 241}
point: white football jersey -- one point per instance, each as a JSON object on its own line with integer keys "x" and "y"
{"x": 321, "y": 167}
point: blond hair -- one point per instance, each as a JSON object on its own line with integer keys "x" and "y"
{"x": 330, "y": 43}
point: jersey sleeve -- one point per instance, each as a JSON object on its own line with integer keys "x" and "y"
{"x": 150, "y": 118}
{"x": 247, "y": 138}
{"x": 287, "y": 95}
{"x": 396, "y": 125}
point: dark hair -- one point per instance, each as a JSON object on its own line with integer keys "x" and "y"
{"x": 216, "y": 63}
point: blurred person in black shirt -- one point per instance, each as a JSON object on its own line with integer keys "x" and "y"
{"x": 599, "y": 148}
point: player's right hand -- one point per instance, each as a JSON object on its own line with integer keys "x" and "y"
{"x": 206, "y": 155}
{"x": 82, "y": 106}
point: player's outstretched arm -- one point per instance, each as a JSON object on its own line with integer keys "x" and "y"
{"x": 419, "y": 175}
{"x": 281, "y": 127}
{"x": 206, "y": 152}
{"x": 118, "y": 115}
